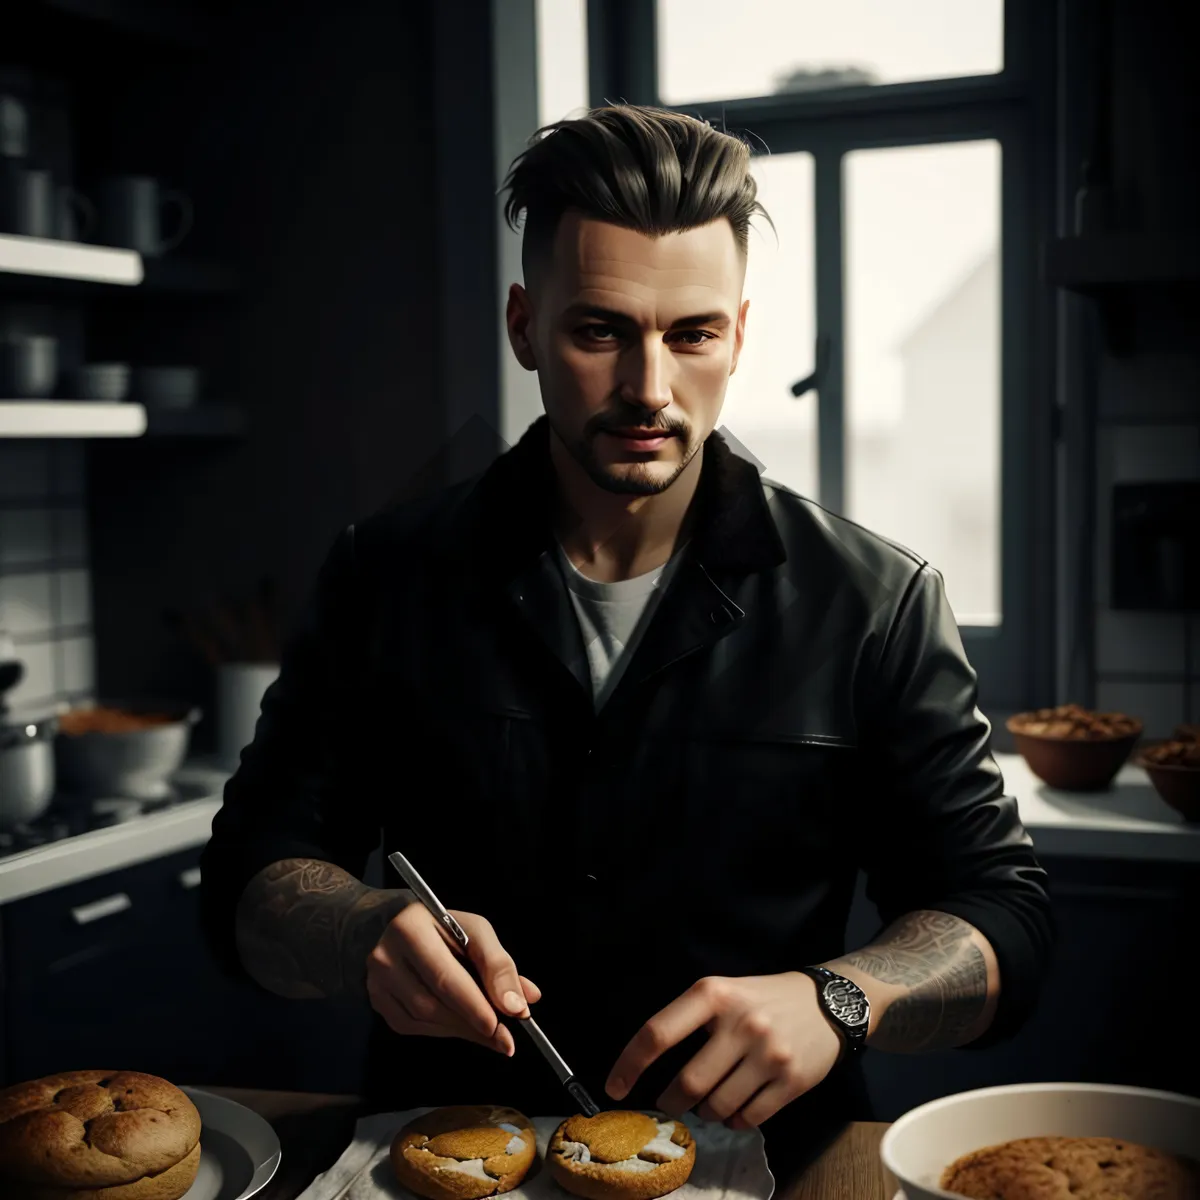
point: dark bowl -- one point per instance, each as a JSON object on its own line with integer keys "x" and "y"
{"x": 1178, "y": 786}
{"x": 1073, "y": 764}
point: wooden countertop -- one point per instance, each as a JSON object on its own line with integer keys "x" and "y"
{"x": 314, "y": 1129}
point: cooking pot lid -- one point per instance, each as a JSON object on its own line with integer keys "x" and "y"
{"x": 25, "y": 724}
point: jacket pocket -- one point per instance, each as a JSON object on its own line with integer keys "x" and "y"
{"x": 768, "y": 804}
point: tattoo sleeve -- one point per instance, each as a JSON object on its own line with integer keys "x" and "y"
{"x": 304, "y": 928}
{"x": 944, "y": 974}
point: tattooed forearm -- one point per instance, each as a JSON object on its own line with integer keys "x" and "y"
{"x": 935, "y": 959}
{"x": 304, "y": 928}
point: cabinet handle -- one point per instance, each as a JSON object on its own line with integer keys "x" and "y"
{"x": 109, "y": 906}
{"x": 189, "y": 878}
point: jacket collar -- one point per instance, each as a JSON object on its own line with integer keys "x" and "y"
{"x": 508, "y": 515}
{"x": 509, "y": 545}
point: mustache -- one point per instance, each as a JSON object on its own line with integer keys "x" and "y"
{"x": 639, "y": 423}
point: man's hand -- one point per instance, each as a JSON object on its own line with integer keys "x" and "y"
{"x": 419, "y": 986}
{"x": 769, "y": 1043}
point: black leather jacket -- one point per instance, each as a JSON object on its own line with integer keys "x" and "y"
{"x": 800, "y": 708}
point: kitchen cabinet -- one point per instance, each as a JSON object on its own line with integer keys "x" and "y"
{"x": 111, "y": 972}
{"x": 1113, "y": 1008}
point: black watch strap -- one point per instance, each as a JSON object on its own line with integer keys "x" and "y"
{"x": 845, "y": 1004}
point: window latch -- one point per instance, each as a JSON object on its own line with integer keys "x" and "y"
{"x": 821, "y": 360}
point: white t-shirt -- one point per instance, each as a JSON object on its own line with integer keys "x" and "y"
{"x": 613, "y": 617}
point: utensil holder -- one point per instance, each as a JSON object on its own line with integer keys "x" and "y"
{"x": 240, "y": 691}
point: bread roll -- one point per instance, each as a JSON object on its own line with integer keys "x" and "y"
{"x": 464, "y": 1152}
{"x": 97, "y": 1135}
{"x": 621, "y": 1156}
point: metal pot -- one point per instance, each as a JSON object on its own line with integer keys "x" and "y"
{"x": 26, "y": 758}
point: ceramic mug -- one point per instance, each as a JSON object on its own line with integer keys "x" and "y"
{"x": 132, "y": 208}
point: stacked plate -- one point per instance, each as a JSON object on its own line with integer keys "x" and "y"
{"x": 108, "y": 381}
{"x": 166, "y": 387}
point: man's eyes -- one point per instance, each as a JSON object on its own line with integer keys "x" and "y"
{"x": 605, "y": 333}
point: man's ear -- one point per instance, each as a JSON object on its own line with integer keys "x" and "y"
{"x": 518, "y": 316}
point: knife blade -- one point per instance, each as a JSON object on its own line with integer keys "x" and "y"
{"x": 424, "y": 893}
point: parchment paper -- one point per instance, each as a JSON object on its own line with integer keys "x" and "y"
{"x": 729, "y": 1165}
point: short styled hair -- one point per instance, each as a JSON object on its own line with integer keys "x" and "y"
{"x": 646, "y": 169}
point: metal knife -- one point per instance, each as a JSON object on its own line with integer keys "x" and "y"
{"x": 424, "y": 893}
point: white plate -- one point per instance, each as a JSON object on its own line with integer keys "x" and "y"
{"x": 239, "y": 1151}
{"x": 729, "y": 1165}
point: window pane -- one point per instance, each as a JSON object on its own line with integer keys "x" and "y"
{"x": 760, "y": 410}
{"x": 923, "y": 359}
{"x": 561, "y": 58}
{"x": 714, "y": 50}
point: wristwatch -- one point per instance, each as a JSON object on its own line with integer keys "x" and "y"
{"x": 845, "y": 1004}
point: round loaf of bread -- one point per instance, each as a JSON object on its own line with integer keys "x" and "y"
{"x": 97, "y": 1135}
{"x": 621, "y": 1156}
{"x": 464, "y": 1152}
{"x": 1066, "y": 1168}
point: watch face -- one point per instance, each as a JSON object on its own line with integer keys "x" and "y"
{"x": 846, "y": 1001}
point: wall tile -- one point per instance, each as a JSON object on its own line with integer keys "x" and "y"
{"x": 39, "y": 685}
{"x": 38, "y": 533}
{"x": 1150, "y": 453}
{"x": 25, "y": 538}
{"x": 69, "y": 470}
{"x": 1160, "y": 706}
{"x": 78, "y": 666}
{"x": 70, "y": 531}
{"x": 1149, "y": 643}
{"x": 75, "y": 599}
{"x": 26, "y": 603}
{"x": 24, "y": 470}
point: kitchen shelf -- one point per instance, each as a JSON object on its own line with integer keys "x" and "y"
{"x": 1104, "y": 261}
{"x": 57, "y": 268}
{"x": 96, "y": 419}
{"x": 49, "y": 258}
{"x": 1142, "y": 284}
{"x": 70, "y": 419}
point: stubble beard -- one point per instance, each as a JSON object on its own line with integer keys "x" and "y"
{"x": 636, "y": 479}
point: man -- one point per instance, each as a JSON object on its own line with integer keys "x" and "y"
{"x": 637, "y": 715}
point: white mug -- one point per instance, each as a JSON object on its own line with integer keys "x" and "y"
{"x": 240, "y": 690}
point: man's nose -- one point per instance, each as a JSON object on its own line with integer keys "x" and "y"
{"x": 646, "y": 376}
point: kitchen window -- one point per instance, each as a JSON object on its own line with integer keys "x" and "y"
{"x": 893, "y": 148}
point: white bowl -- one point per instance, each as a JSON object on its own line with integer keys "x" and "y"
{"x": 924, "y": 1142}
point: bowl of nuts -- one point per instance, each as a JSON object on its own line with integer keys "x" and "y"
{"x": 1174, "y": 769}
{"x": 1073, "y": 748}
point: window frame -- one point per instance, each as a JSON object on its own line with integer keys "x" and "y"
{"x": 1014, "y": 660}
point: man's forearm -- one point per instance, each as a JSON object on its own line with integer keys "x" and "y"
{"x": 304, "y": 928}
{"x": 932, "y": 980}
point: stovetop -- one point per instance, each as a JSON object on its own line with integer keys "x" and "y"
{"x": 69, "y": 816}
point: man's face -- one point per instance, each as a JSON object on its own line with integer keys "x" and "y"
{"x": 633, "y": 339}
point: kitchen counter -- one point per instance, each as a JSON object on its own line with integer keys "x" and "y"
{"x": 1130, "y": 821}
{"x": 314, "y": 1129}
{"x": 140, "y": 839}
